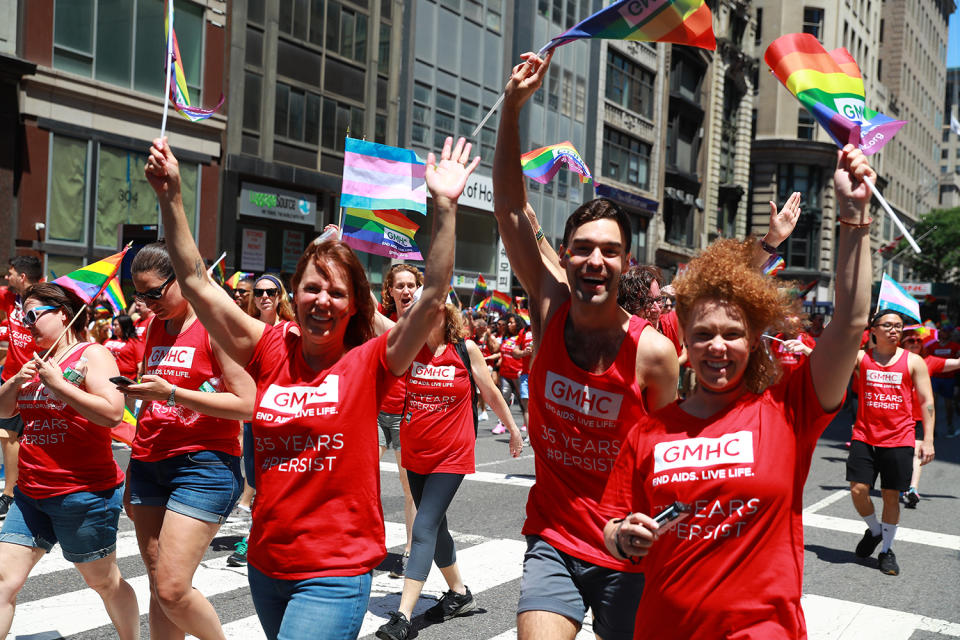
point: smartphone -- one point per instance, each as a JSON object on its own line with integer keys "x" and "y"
{"x": 121, "y": 381}
{"x": 673, "y": 514}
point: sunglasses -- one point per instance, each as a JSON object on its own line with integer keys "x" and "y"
{"x": 154, "y": 294}
{"x": 265, "y": 292}
{"x": 31, "y": 316}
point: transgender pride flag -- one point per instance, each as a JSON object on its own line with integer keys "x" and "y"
{"x": 895, "y": 298}
{"x": 377, "y": 177}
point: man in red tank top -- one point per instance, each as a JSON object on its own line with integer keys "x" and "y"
{"x": 883, "y": 440}
{"x": 22, "y": 272}
{"x": 600, "y": 369}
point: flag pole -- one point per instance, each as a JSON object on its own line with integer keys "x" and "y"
{"x": 62, "y": 333}
{"x": 886, "y": 207}
{"x": 903, "y": 251}
{"x": 169, "y": 54}
{"x": 503, "y": 94}
{"x": 214, "y": 265}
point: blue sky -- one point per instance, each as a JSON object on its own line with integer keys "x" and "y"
{"x": 953, "y": 42}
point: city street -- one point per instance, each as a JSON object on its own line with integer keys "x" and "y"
{"x": 844, "y": 597}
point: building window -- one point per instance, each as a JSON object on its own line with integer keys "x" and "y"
{"x": 806, "y": 125}
{"x": 629, "y": 84}
{"x": 686, "y": 76}
{"x": 626, "y": 159}
{"x": 813, "y": 22}
{"x": 728, "y": 132}
{"x": 678, "y": 217}
{"x": 338, "y": 119}
{"x": 116, "y": 42}
{"x": 802, "y": 249}
{"x": 580, "y": 108}
{"x": 683, "y": 143}
{"x": 758, "y": 34}
{"x": 553, "y": 93}
{"x": 566, "y": 94}
{"x": 944, "y": 154}
{"x": 346, "y": 31}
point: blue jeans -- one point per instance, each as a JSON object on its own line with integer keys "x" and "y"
{"x": 313, "y": 609}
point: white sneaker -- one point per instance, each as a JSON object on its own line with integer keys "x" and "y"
{"x": 483, "y": 416}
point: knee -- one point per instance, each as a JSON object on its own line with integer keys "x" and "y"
{"x": 859, "y": 491}
{"x": 103, "y": 582}
{"x": 171, "y": 593}
{"x": 10, "y": 585}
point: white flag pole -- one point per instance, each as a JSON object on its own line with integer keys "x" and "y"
{"x": 886, "y": 207}
{"x": 499, "y": 101}
{"x": 214, "y": 265}
{"x": 169, "y": 58}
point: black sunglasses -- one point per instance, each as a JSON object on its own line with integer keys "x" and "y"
{"x": 265, "y": 292}
{"x": 156, "y": 293}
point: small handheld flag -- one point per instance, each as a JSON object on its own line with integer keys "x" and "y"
{"x": 382, "y": 233}
{"x": 773, "y": 266}
{"x": 235, "y": 279}
{"x": 480, "y": 289}
{"x": 544, "y": 163}
{"x": 380, "y": 177}
{"x": 89, "y": 282}
{"x": 895, "y": 298}
{"x": 499, "y": 302}
{"x": 114, "y": 295}
{"x": 177, "y": 88}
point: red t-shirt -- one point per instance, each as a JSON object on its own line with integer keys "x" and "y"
{"x": 62, "y": 452}
{"x": 669, "y": 326}
{"x": 526, "y": 341}
{"x": 127, "y": 353}
{"x": 141, "y": 325}
{"x": 943, "y": 350}
{"x": 734, "y": 567}
{"x": 934, "y": 366}
{"x": 578, "y": 421}
{"x": 317, "y": 511}
{"x": 436, "y": 435}
{"x": 788, "y": 359}
{"x": 20, "y": 341}
{"x": 187, "y": 361}
{"x": 511, "y": 367}
{"x": 885, "y": 410}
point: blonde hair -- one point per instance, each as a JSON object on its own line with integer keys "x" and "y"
{"x": 284, "y": 308}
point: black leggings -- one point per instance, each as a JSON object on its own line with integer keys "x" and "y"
{"x": 432, "y": 493}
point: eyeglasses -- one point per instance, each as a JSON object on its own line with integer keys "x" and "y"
{"x": 911, "y": 341}
{"x": 662, "y": 300}
{"x": 32, "y": 315}
{"x": 886, "y": 326}
{"x": 241, "y": 293}
{"x": 265, "y": 292}
{"x": 156, "y": 293}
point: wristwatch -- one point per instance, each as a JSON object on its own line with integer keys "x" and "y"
{"x": 171, "y": 400}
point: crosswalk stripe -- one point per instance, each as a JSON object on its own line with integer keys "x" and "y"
{"x": 833, "y": 619}
{"x": 479, "y": 476}
{"x": 904, "y": 534}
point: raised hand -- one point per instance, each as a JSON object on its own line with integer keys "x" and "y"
{"x": 446, "y": 179}
{"x": 784, "y": 221}
{"x": 163, "y": 170}
{"x": 526, "y": 78}
{"x": 853, "y": 195}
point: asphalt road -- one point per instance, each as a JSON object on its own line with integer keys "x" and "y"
{"x": 845, "y": 597}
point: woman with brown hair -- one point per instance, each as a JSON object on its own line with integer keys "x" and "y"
{"x": 737, "y": 450}
{"x": 318, "y": 393}
{"x": 269, "y": 302}
{"x": 439, "y": 438}
{"x": 70, "y": 487}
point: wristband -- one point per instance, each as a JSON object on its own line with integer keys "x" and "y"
{"x": 855, "y": 225}
{"x": 539, "y": 234}
{"x": 769, "y": 248}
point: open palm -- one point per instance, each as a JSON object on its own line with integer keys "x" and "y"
{"x": 447, "y": 178}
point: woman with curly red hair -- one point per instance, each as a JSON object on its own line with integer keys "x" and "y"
{"x": 738, "y": 448}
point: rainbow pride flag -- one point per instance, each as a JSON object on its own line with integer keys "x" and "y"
{"x": 235, "y": 279}
{"x": 377, "y": 177}
{"x": 382, "y": 233}
{"x": 219, "y": 273}
{"x": 543, "y": 163}
{"x": 524, "y": 315}
{"x": 179, "y": 92}
{"x": 482, "y": 304}
{"x": 114, "y": 295}
{"x": 679, "y": 21}
{"x": 89, "y": 282}
{"x": 499, "y": 302}
{"x": 480, "y": 289}
{"x": 773, "y": 266}
{"x": 830, "y": 86}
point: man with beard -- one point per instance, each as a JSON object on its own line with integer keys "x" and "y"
{"x": 598, "y": 370}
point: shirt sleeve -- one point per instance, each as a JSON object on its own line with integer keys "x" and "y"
{"x": 802, "y": 405}
{"x": 267, "y": 351}
{"x": 380, "y": 369}
{"x": 624, "y": 491}
{"x": 934, "y": 364}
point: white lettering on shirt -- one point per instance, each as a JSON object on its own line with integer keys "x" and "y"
{"x": 176, "y": 357}
{"x": 732, "y": 448}
{"x": 293, "y": 400}
{"x": 595, "y": 403}
{"x": 432, "y": 372}
{"x": 884, "y": 377}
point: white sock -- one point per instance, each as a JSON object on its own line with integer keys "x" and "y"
{"x": 873, "y": 523}
{"x": 889, "y": 531}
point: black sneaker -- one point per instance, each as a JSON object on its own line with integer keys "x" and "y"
{"x": 5, "y": 502}
{"x": 868, "y": 544}
{"x": 397, "y": 629}
{"x": 399, "y": 568}
{"x": 888, "y": 563}
{"x": 912, "y": 498}
{"x": 239, "y": 557}
{"x": 451, "y": 605}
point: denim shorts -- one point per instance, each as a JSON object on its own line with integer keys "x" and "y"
{"x": 201, "y": 484}
{"x": 557, "y": 582}
{"x": 84, "y": 523}
{"x": 325, "y": 608}
{"x": 13, "y": 425}
{"x": 389, "y": 435}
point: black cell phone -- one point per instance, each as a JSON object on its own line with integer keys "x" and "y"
{"x": 673, "y": 514}
{"x": 122, "y": 381}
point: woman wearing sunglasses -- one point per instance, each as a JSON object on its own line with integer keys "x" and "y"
{"x": 318, "y": 529}
{"x": 184, "y": 473}
{"x": 70, "y": 488}
{"x": 269, "y": 302}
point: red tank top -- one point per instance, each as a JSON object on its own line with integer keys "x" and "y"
{"x": 885, "y": 410}
{"x": 511, "y": 367}
{"x": 578, "y": 421}
{"x": 62, "y": 452}
{"x": 943, "y": 350}
{"x": 20, "y": 341}
{"x": 436, "y": 435}
{"x": 187, "y": 361}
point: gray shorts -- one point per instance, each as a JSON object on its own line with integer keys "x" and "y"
{"x": 557, "y": 582}
{"x": 389, "y": 435}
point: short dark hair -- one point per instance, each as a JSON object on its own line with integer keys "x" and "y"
{"x": 886, "y": 312}
{"x": 153, "y": 257}
{"x": 127, "y": 330}
{"x": 599, "y": 209}
{"x": 634, "y": 288}
{"x": 29, "y": 266}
